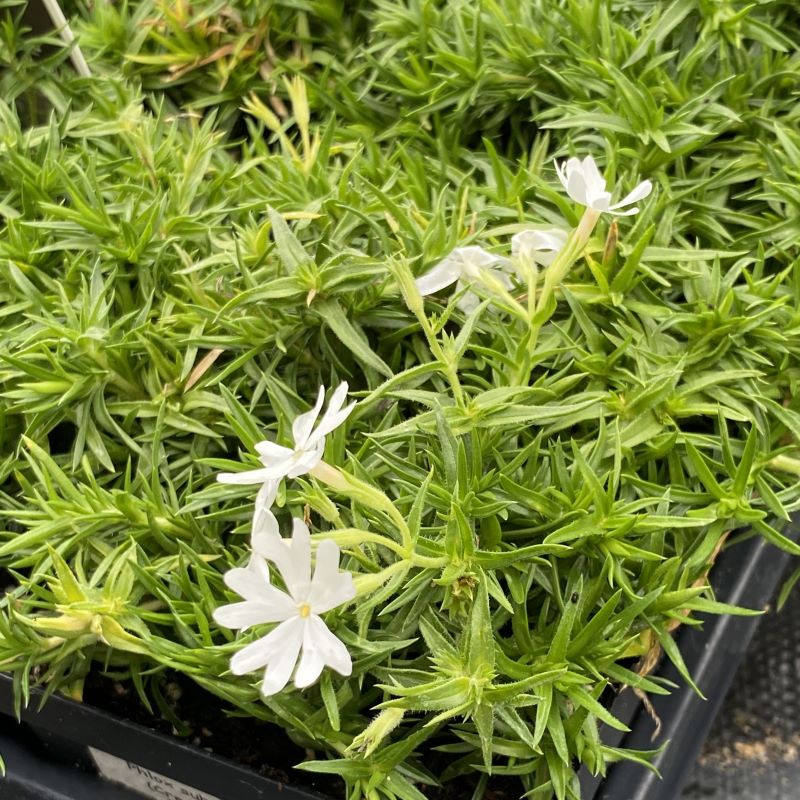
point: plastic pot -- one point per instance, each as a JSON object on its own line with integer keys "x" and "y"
{"x": 746, "y": 574}
{"x": 66, "y": 747}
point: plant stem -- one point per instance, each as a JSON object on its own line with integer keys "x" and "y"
{"x": 365, "y": 493}
{"x": 545, "y": 303}
{"x": 449, "y": 369}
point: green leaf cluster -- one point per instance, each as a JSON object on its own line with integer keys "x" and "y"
{"x": 226, "y": 216}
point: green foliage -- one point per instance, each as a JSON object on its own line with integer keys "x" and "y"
{"x": 230, "y": 214}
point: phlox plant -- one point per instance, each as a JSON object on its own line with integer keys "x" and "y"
{"x": 414, "y": 445}
{"x": 302, "y": 630}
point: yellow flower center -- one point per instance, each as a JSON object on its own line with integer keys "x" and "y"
{"x": 304, "y": 609}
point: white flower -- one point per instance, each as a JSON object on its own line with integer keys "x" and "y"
{"x": 286, "y": 462}
{"x": 301, "y": 633}
{"x": 585, "y": 185}
{"x": 538, "y": 246}
{"x": 464, "y": 265}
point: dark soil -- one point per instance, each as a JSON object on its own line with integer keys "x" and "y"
{"x": 7, "y": 582}
{"x": 264, "y": 747}
{"x": 198, "y": 718}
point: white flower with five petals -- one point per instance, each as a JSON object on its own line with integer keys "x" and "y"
{"x": 302, "y": 643}
{"x": 585, "y": 184}
{"x": 464, "y": 266}
{"x": 309, "y": 444}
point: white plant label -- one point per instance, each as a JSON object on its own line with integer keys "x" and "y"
{"x": 145, "y": 781}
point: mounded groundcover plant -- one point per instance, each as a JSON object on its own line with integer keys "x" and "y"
{"x": 336, "y": 385}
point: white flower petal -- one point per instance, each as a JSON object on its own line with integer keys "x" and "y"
{"x": 447, "y": 271}
{"x": 335, "y": 594}
{"x": 279, "y": 670}
{"x": 576, "y": 187}
{"x": 535, "y": 240}
{"x": 329, "y": 647}
{"x": 293, "y": 562}
{"x": 241, "y": 616}
{"x": 474, "y": 259}
{"x": 247, "y": 478}
{"x": 328, "y": 424}
{"x": 304, "y": 461}
{"x": 264, "y": 522}
{"x": 259, "y": 566}
{"x": 586, "y": 185}
{"x": 265, "y": 529}
{"x": 303, "y": 423}
{"x": 329, "y": 586}
{"x": 337, "y": 400}
{"x": 298, "y": 462}
{"x": 249, "y": 583}
{"x": 592, "y": 177}
{"x": 573, "y": 165}
{"x": 628, "y": 213}
{"x": 333, "y": 417}
{"x": 464, "y": 264}
{"x": 639, "y": 193}
{"x": 254, "y": 656}
{"x": 468, "y": 301}
{"x": 279, "y": 647}
{"x": 311, "y": 663}
{"x": 266, "y": 497}
{"x": 300, "y": 574}
{"x": 284, "y": 462}
{"x": 539, "y": 246}
{"x": 271, "y": 453}
{"x": 561, "y": 171}
{"x": 600, "y": 201}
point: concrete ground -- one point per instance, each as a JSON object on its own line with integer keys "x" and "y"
{"x": 753, "y": 750}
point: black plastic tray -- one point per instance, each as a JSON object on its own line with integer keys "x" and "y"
{"x": 746, "y": 574}
{"x": 65, "y": 730}
{"x": 35, "y": 775}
